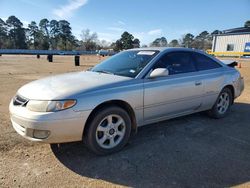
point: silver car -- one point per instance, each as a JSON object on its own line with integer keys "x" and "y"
{"x": 105, "y": 105}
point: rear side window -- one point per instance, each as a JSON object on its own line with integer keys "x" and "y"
{"x": 176, "y": 63}
{"x": 203, "y": 62}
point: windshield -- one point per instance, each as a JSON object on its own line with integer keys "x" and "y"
{"x": 127, "y": 63}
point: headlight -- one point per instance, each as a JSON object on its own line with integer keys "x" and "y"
{"x": 50, "y": 106}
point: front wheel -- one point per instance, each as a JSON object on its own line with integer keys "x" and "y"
{"x": 222, "y": 104}
{"x": 108, "y": 131}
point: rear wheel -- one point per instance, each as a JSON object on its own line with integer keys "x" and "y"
{"x": 108, "y": 131}
{"x": 222, "y": 104}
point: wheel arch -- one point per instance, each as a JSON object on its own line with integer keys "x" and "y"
{"x": 120, "y": 103}
{"x": 231, "y": 87}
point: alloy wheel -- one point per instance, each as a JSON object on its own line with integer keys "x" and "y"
{"x": 110, "y": 131}
{"x": 223, "y": 103}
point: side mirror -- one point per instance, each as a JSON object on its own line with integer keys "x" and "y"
{"x": 159, "y": 72}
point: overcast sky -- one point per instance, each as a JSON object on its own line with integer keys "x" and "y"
{"x": 145, "y": 19}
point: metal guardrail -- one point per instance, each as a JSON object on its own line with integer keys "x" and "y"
{"x": 45, "y": 52}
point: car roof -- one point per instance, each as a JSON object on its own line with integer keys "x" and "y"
{"x": 162, "y": 50}
{"x": 172, "y": 49}
{"x": 150, "y": 48}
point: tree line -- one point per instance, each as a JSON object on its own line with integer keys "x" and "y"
{"x": 57, "y": 35}
{"x": 53, "y": 34}
{"x": 202, "y": 41}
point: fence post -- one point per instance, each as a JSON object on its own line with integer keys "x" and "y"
{"x": 50, "y": 58}
{"x": 77, "y": 60}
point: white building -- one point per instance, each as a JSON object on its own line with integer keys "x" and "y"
{"x": 232, "y": 40}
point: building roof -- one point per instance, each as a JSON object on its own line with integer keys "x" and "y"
{"x": 236, "y": 31}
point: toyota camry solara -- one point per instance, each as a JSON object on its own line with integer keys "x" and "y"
{"x": 105, "y": 105}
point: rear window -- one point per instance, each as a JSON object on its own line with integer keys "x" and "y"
{"x": 203, "y": 62}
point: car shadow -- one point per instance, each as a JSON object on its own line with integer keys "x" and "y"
{"x": 191, "y": 151}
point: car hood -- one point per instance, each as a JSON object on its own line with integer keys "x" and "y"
{"x": 66, "y": 85}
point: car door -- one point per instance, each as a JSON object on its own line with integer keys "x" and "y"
{"x": 178, "y": 93}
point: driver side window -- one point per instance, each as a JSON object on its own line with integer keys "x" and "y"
{"x": 176, "y": 63}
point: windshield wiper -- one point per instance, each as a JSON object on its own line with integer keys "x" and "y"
{"x": 104, "y": 71}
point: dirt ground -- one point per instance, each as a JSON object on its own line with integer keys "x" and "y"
{"x": 191, "y": 151}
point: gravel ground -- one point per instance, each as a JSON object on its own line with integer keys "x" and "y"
{"x": 191, "y": 151}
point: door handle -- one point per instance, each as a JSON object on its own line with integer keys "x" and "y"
{"x": 198, "y": 83}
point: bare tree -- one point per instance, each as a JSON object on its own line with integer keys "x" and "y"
{"x": 89, "y": 40}
{"x": 104, "y": 44}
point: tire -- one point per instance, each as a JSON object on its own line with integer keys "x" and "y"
{"x": 222, "y": 104}
{"x": 109, "y": 130}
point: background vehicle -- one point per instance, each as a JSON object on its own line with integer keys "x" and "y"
{"x": 108, "y": 52}
{"x": 131, "y": 89}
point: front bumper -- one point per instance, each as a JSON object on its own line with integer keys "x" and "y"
{"x": 48, "y": 128}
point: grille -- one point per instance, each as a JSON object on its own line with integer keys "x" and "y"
{"x": 20, "y": 101}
